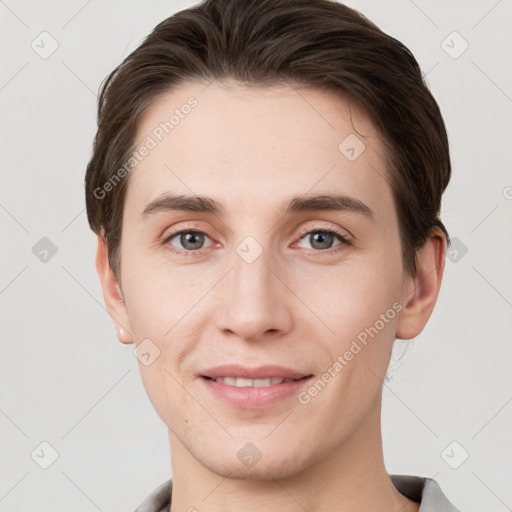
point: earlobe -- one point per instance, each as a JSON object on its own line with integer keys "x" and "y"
{"x": 112, "y": 294}
{"x": 421, "y": 296}
{"x": 124, "y": 336}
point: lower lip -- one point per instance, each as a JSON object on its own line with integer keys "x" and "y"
{"x": 252, "y": 397}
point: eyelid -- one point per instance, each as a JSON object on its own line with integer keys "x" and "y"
{"x": 344, "y": 238}
{"x": 345, "y": 234}
{"x": 166, "y": 238}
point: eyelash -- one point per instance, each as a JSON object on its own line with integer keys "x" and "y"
{"x": 344, "y": 241}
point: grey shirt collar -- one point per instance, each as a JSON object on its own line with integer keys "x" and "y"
{"x": 422, "y": 490}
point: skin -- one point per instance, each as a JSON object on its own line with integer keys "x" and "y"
{"x": 296, "y": 305}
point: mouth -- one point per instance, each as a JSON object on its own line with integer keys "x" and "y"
{"x": 241, "y": 382}
{"x": 246, "y": 387}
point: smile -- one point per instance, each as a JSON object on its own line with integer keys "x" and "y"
{"x": 250, "y": 383}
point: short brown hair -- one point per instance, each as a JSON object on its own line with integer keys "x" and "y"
{"x": 319, "y": 44}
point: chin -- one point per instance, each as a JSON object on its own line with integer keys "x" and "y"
{"x": 276, "y": 465}
{"x": 261, "y": 471}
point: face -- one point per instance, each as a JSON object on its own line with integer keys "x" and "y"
{"x": 272, "y": 278}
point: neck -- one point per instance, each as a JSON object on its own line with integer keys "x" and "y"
{"x": 351, "y": 478}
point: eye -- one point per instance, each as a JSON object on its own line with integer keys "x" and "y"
{"x": 190, "y": 240}
{"x": 322, "y": 239}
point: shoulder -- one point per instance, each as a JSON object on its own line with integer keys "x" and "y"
{"x": 158, "y": 500}
{"x": 420, "y": 489}
{"x": 425, "y": 491}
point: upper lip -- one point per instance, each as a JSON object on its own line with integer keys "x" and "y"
{"x": 253, "y": 372}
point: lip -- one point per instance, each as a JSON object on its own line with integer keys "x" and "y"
{"x": 255, "y": 372}
{"x": 254, "y": 397}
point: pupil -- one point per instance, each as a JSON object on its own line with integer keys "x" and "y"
{"x": 321, "y": 240}
{"x": 191, "y": 238}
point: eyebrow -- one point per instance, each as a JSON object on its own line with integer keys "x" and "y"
{"x": 297, "y": 204}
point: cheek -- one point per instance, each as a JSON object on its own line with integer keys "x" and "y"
{"x": 157, "y": 296}
{"x": 160, "y": 307}
{"x": 352, "y": 299}
{"x": 360, "y": 306}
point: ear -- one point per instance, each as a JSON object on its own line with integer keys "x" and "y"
{"x": 112, "y": 293}
{"x": 422, "y": 290}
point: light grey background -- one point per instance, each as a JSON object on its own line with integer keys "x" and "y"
{"x": 66, "y": 380}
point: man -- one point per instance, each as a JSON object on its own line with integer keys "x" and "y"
{"x": 265, "y": 185}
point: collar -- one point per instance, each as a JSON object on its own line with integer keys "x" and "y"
{"x": 420, "y": 489}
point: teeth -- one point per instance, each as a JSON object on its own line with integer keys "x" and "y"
{"x": 254, "y": 383}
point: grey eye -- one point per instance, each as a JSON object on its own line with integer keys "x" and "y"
{"x": 320, "y": 240}
{"x": 190, "y": 240}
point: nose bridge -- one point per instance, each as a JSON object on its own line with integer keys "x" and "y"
{"x": 253, "y": 299}
{"x": 251, "y": 278}
{"x": 251, "y": 275}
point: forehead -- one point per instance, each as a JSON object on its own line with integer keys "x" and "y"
{"x": 264, "y": 142}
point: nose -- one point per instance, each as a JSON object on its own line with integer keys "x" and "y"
{"x": 254, "y": 301}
